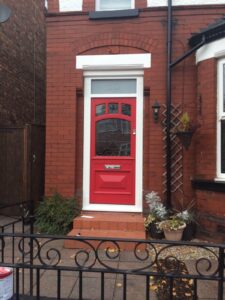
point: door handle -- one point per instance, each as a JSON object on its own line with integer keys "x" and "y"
{"x": 112, "y": 167}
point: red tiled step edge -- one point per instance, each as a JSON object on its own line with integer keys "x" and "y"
{"x": 107, "y": 225}
{"x": 110, "y": 221}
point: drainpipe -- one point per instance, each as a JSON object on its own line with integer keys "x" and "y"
{"x": 170, "y": 65}
{"x": 168, "y": 105}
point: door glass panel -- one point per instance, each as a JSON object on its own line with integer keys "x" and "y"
{"x": 113, "y": 137}
{"x": 113, "y": 108}
{"x": 113, "y": 86}
{"x": 126, "y": 109}
{"x": 100, "y": 109}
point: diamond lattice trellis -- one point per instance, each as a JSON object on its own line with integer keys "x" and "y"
{"x": 176, "y": 151}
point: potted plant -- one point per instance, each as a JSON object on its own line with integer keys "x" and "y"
{"x": 189, "y": 218}
{"x": 173, "y": 228}
{"x": 188, "y": 215}
{"x": 185, "y": 130}
{"x": 157, "y": 213}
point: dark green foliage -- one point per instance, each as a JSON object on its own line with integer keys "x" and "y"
{"x": 55, "y": 214}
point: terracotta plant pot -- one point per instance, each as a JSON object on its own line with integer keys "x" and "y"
{"x": 174, "y": 235}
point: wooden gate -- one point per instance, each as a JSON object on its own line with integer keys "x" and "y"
{"x": 21, "y": 166}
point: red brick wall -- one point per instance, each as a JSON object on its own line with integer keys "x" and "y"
{"x": 69, "y": 36}
{"x": 211, "y": 218}
{"x": 22, "y": 58}
{"x": 206, "y": 105}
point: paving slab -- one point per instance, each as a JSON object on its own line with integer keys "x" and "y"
{"x": 48, "y": 284}
{"x": 135, "y": 288}
{"x": 92, "y": 289}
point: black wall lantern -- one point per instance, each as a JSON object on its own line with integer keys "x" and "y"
{"x": 156, "y": 107}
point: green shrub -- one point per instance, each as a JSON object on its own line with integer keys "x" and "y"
{"x": 55, "y": 214}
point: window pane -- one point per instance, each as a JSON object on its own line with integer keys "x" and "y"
{"x": 223, "y": 147}
{"x": 113, "y": 108}
{"x": 126, "y": 109}
{"x": 224, "y": 87}
{"x": 113, "y": 137}
{"x": 114, "y": 4}
{"x": 100, "y": 109}
{"x": 113, "y": 86}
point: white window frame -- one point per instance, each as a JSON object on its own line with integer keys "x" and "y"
{"x": 220, "y": 116}
{"x": 98, "y": 6}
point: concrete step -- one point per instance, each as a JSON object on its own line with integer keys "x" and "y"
{"x": 109, "y": 234}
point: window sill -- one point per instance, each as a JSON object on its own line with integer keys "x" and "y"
{"x": 209, "y": 185}
{"x": 114, "y": 14}
{"x": 219, "y": 179}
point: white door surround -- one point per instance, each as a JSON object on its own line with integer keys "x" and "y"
{"x": 121, "y": 66}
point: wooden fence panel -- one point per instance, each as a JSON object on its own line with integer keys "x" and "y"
{"x": 21, "y": 166}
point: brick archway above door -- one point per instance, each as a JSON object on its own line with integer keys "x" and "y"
{"x": 132, "y": 40}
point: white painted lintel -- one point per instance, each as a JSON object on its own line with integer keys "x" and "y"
{"x": 113, "y": 62}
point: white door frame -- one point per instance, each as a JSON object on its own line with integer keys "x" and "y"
{"x": 119, "y": 74}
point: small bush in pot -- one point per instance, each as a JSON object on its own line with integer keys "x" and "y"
{"x": 55, "y": 214}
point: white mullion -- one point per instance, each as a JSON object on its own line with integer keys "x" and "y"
{"x": 86, "y": 143}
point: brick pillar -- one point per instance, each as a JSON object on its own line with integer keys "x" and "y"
{"x": 53, "y": 6}
{"x": 141, "y": 4}
{"x": 88, "y": 5}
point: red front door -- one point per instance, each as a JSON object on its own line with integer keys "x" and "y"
{"x": 113, "y": 125}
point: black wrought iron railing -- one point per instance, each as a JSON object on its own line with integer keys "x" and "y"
{"x": 112, "y": 268}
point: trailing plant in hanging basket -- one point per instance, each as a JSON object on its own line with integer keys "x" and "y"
{"x": 185, "y": 130}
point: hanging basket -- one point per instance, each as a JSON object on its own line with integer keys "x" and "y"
{"x": 185, "y": 138}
